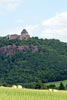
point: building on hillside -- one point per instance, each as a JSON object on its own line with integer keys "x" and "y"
{"x": 24, "y": 36}
{"x": 14, "y": 36}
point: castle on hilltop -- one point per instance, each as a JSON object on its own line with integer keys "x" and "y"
{"x": 24, "y": 36}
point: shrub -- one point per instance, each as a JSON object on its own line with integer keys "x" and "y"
{"x": 61, "y": 86}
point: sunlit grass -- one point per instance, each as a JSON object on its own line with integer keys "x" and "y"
{"x": 29, "y": 94}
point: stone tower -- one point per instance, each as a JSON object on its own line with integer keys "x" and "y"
{"x": 24, "y": 31}
{"x": 24, "y": 35}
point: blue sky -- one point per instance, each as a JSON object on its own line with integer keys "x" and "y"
{"x": 42, "y": 18}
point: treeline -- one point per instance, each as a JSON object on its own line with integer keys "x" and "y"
{"x": 48, "y": 64}
{"x": 40, "y": 85}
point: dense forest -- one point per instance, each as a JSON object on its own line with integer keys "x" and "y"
{"x": 47, "y": 64}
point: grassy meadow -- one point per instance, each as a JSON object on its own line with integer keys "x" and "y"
{"x": 29, "y": 94}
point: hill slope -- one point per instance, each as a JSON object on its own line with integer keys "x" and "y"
{"x": 38, "y": 59}
{"x": 57, "y": 83}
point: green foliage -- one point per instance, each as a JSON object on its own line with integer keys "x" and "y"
{"x": 52, "y": 86}
{"x": 61, "y": 87}
{"x": 26, "y": 68}
{"x": 39, "y": 85}
{"x": 57, "y": 83}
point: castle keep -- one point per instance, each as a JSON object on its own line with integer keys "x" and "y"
{"x": 24, "y": 36}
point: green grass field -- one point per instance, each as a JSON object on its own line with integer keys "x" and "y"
{"x": 57, "y": 83}
{"x": 29, "y": 94}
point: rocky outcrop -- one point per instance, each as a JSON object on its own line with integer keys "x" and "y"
{"x": 12, "y": 49}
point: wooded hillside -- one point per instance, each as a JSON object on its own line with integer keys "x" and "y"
{"x": 47, "y": 63}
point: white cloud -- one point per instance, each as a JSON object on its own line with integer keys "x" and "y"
{"x": 10, "y": 31}
{"x": 16, "y": 30}
{"x": 9, "y": 5}
{"x": 32, "y": 29}
{"x": 55, "y": 27}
